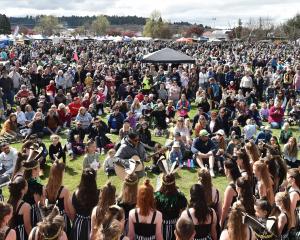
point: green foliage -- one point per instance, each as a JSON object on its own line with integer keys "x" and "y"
{"x": 77, "y": 21}
{"x": 100, "y": 25}
{"x": 5, "y": 27}
{"x": 48, "y": 25}
{"x": 155, "y": 27}
{"x": 292, "y": 27}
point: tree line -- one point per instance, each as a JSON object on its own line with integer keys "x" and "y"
{"x": 77, "y": 21}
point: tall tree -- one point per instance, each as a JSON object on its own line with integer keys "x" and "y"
{"x": 100, "y": 25}
{"x": 48, "y": 25}
{"x": 155, "y": 27}
{"x": 5, "y": 27}
{"x": 292, "y": 27}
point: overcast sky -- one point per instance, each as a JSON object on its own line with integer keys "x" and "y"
{"x": 226, "y": 12}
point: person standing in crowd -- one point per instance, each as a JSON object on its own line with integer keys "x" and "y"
{"x": 145, "y": 221}
{"x": 203, "y": 217}
{"x": 236, "y": 229}
{"x": 128, "y": 196}
{"x": 6, "y": 233}
{"x": 184, "y": 229}
{"x": 170, "y": 202}
{"x": 107, "y": 198}
{"x": 230, "y": 195}
{"x": 6, "y": 83}
{"x": 58, "y": 194}
{"x": 84, "y": 199}
{"x": 21, "y": 218}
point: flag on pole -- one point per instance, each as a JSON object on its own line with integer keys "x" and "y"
{"x": 75, "y": 56}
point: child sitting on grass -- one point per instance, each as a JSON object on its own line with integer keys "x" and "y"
{"x": 56, "y": 151}
{"x": 109, "y": 162}
{"x": 78, "y": 147}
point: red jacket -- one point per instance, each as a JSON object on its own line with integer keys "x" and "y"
{"x": 100, "y": 98}
{"x": 50, "y": 88}
{"x": 74, "y": 108}
{"x": 276, "y": 115}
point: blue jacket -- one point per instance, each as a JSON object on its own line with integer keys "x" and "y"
{"x": 263, "y": 135}
{"x": 115, "y": 122}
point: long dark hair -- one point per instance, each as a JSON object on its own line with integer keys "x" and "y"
{"x": 198, "y": 202}
{"x": 15, "y": 195}
{"x": 246, "y": 195}
{"x": 233, "y": 170}
{"x": 242, "y": 154}
{"x": 87, "y": 192}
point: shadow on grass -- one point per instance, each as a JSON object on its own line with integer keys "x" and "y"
{"x": 71, "y": 171}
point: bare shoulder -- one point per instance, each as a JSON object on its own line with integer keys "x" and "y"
{"x": 11, "y": 235}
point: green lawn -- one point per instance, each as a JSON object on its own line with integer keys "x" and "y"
{"x": 185, "y": 177}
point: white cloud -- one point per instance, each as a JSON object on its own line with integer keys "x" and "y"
{"x": 200, "y": 11}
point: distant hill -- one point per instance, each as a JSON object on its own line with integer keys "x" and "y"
{"x": 76, "y": 21}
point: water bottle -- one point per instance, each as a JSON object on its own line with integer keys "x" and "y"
{"x": 192, "y": 163}
{"x": 188, "y": 163}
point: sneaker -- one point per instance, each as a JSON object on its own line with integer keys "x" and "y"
{"x": 212, "y": 174}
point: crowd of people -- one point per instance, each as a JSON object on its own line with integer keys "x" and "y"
{"x": 242, "y": 92}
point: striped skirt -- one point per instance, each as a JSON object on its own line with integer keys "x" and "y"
{"x": 168, "y": 229}
{"x": 21, "y": 233}
{"x": 81, "y": 228}
{"x": 35, "y": 215}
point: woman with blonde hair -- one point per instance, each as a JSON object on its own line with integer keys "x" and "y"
{"x": 236, "y": 229}
{"x": 290, "y": 152}
{"x": 107, "y": 198}
{"x": 145, "y": 221}
{"x": 57, "y": 194}
{"x": 136, "y": 108}
{"x": 264, "y": 186}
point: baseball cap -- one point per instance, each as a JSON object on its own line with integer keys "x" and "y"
{"x": 203, "y": 133}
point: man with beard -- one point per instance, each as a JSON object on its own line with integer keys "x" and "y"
{"x": 204, "y": 150}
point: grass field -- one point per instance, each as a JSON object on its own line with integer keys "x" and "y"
{"x": 185, "y": 177}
